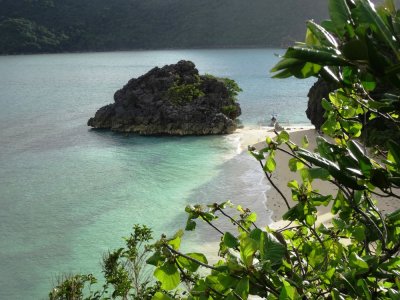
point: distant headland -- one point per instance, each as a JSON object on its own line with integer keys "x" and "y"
{"x": 50, "y": 26}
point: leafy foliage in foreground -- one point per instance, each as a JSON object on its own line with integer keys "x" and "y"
{"x": 357, "y": 50}
{"x": 355, "y": 257}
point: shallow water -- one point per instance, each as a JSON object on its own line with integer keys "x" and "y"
{"x": 69, "y": 193}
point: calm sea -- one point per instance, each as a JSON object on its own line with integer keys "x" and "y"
{"x": 68, "y": 194}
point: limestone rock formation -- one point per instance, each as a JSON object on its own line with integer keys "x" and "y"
{"x": 172, "y": 100}
{"x": 315, "y": 111}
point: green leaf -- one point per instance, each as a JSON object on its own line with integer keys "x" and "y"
{"x": 270, "y": 164}
{"x": 175, "y": 242}
{"x": 189, "y": 209}
{"x": 293, "y": 184}
{"x": 367, "y": 14}
{"x": 209, "y": 216}
{"x": 190, "y": 225}
{"x": 321, "y": 200}
{"x": 358, "y": 263}
{"x": 327, "y": 276}
{"x": 161, "y": 296}
{"x": 330, "y": 126}
{"x": 357, "y": 153}
{"x": 315, "y": 173}
{"x": 168, "y": 275}
{"x": 251, "y": 217}
{"x": 368, "y": 81}
{"x": 322, "y": 35}
{"x": 271, "y": 249}
{"x": 335, "y": 294}
{"x": 305, "y": 142}
{"x": 340, "y": 14}
{"x": 248, "y": 247}
{"x": 189, "y": 264}
{"x": 394, "y": 152}
{"x": 243, "y": 287}
{"x": 295, "y": 164}
{"x": 308, "y": 70}
{"x": 328, "y": 25}
{"x": 317, "y": 160}
{"x": 221, "y": 282}
{"x": 156, "y": 259}
{"x": 286, "y": 63}
{"x": 394, "y": 217}
{"x": 326, "y": 105}
{"x": 283, "y": 137}
{"x": 358, "y": 233}
{"x": 292, "y": 214}
{"x": 394, "y": 294}
{"x": 331, "y": 167}
{"x": 363, "y": 286}
{"x": 318, "y": 55}
{"x": 310, "y": 220}
{"x": 284, "y": 74}
{"x": 391, "y": 264}
{"x": 230, "y": 240}
{"x": 353, "y": 128}
{"x": 311, "y": 39}
{"x": 288, "y": 292}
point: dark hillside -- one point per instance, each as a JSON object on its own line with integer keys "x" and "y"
{"x": 76, "y": 25}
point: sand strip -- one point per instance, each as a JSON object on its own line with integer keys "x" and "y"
{"x": 282, "y": 175}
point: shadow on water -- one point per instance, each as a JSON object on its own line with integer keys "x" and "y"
{"x": 129, "y": 139}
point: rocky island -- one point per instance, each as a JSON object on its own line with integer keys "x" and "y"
{"x": 173, "y": 100}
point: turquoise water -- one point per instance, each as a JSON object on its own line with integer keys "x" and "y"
{"x": 68, "y": 193}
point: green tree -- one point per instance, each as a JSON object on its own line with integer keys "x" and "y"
{"x": 22, "y": 35}
{"x": 356, "y": 257}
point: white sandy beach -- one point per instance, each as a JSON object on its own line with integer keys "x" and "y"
{"x": 256, "y": 137}
{"x": 282, "y": 175}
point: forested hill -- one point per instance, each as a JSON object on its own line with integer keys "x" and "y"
{"x": 32, "y": 26}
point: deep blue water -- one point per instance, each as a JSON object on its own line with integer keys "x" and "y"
{"x": 68, "y": 194}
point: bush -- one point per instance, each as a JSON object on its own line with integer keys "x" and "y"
{"x": 230, "y": 111}
{"x": 230, "y": 84}
{"x": 182, "y": 94}
{"x": 21, "y": 35}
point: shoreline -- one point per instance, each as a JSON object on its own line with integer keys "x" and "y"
{"x": 252, "y": 136}
{"x": 255, "y": 137}
{"x": 273, "y": 206}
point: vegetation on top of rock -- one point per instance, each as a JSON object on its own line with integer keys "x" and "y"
{"x": 181, "y": 93}
{"x": 231, "y": 85}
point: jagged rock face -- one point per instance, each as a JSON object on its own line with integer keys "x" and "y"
{"x": 315, "y": 111}
{"x": 144, "y": 105}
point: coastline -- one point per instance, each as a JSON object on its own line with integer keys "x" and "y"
{"x": 256, "y": 137}
{"x": 271, "y": 209}
{"x": 251, "y": 136}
